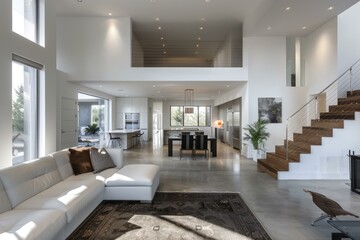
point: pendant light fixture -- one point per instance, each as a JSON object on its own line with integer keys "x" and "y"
{"x": 189, "y": 101}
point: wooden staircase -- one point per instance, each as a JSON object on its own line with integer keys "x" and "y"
{"x": 302, "y": 142}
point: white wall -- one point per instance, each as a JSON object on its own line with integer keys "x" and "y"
{"x": 223, "y": 55}
{"x": 348, "y": 38}
{"x": 137, "y": 56}
{"x": 92, "y": 48}
{"x": 230, "y": 52}
{"x": 319, "y": 54}
{"x": 267, "y": 78}
{"x": 14, "y": 43}
{"x": 101, "y": 51}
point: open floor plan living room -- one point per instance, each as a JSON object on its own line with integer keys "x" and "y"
{"x": 180, "y": 119}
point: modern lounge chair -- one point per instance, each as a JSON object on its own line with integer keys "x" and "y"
{"x": 331, "y": 208}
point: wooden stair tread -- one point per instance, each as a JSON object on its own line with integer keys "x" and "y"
{"x": 311, "y": 135}
{"x": 353, "y": 93}
{"x": 271, "y": 165}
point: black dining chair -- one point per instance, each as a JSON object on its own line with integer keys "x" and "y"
{"x": 187, "y": 143}
{"x": 113, "y": 140}
{"x": 201, "y": 143}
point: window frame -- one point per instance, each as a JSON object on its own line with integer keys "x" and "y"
{"x": 34, "y": 139}
{"x": 36, "y": 23}
{"x": 198, "y": 117}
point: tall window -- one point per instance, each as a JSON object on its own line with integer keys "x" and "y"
{"x": 25, "y": 18}
{"x": 24, "y": 112}
{"x": 201, "y": 116}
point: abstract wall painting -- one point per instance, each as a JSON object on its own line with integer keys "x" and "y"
{"x": 270, "y": 110}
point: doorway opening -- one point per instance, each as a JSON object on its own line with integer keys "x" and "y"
{"x": 93, "y": 119}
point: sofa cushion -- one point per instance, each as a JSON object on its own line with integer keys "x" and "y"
{"x": 100, "y": 159}
{"x": 31, "y": 224}
{"x": 5, "y": 203}
{"x": 116, "y": 155}
{"x": 62, "y": 159}
{"x": 25, "y": 180}
{"x": 133, "y": 175}
{"x": 80, "y": 160}
{"x": 101, "y": 176}
{"x": 69, "y": 196}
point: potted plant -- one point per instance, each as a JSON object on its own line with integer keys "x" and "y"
{"x": 92, "y": 129}
{"x": 256, "y": 133}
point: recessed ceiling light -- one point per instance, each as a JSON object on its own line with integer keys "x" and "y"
{"x": 207, "y": 1}
{"x": 330, "y": 8}
{"x": 110, "y": 14}
{"x": 164, "y": 52}
{"x": 162, "y": 38}
{"x": 202, "y": 19}
{"x": 199, "y": 38}
{"x": 201, "y": 28}
{"x": 268, "y": 28}
{"x": 157, "y": 19}
{"x": 154, "y": 85}
{"x": 80, "y": 1}
{"x": 163, "y": 45}
{"x": 304, "y": 27}
{"x": 288, "y": 9}
{"x": 197, "y": 45}
{"x": 159, "y": 28}
{"x": 227, "y": 86}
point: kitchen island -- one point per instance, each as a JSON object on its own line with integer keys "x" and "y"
{"x": 127, "y": 138}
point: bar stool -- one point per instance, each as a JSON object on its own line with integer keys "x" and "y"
{"x": 137, "y": 138}
{"x": 113, "y": 140}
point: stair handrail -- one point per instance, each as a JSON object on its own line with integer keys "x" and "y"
{"x": 315, "y": 98}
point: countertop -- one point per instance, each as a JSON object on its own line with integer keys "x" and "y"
{"x": 125, "y": 131}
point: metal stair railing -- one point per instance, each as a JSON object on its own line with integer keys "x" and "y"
{"x": 348, "y": 81}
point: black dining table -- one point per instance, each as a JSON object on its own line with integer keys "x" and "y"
{"x": 212, "y": 140}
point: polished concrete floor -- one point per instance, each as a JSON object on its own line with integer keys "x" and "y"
{"x": 282, "y": 207}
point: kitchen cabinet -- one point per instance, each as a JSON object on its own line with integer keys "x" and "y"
{"x": 131, "y": 106}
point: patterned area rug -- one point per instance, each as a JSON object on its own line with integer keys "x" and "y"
{"x": 173, "y": 216}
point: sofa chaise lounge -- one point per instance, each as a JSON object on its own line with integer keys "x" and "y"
{"x": 43, "y": 199}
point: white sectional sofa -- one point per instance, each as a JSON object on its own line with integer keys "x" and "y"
{"x": 43, "y": 199}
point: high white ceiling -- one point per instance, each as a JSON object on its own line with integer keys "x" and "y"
{"x": 180, "y": 22}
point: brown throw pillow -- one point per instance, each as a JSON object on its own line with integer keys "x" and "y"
{"x": 80, "y": 160}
